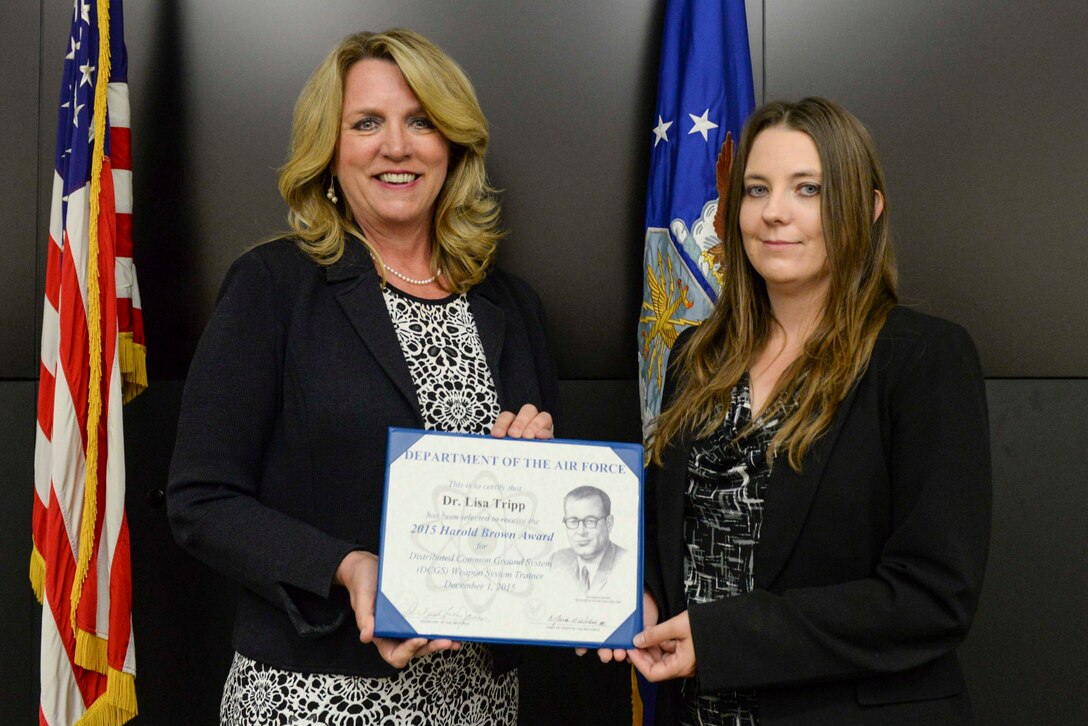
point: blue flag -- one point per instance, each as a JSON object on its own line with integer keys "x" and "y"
{"x": 704, "y": 91}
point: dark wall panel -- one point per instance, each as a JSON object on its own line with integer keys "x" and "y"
{"x": 21, "y": 612}
{"x": 978, "y": 109}
{"x": 18, "y": 203}
{"x": 567, "y": 86}
{"x": 1025, "y": 659}
{"x": 604, "y": 410}
{"x": 183, "y": 611}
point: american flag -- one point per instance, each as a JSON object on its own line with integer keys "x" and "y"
{"x": 92, "y": 360}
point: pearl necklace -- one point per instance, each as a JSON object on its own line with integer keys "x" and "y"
{"x": 411, "y": 280}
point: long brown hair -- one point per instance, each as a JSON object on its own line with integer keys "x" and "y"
{"x": 466, "y": 220}
{"x": 861, "y": 293}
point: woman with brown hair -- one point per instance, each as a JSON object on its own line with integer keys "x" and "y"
{"x": 818, "y": 506}
{"x": 382, "y": 308}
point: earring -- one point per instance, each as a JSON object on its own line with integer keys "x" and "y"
{"x": 331, "y": 194}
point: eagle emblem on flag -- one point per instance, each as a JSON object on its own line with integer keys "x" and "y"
{"x": 676, "y": 261}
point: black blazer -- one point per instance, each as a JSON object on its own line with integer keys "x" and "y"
{"x": 870, "y": 561}
{"x": 278, "y": 470}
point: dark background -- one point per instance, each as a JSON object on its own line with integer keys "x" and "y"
{"x": 978, "y": 109}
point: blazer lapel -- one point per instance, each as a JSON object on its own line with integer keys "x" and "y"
{"x": 788, "y": 499}
{"x": 361, "y": 300}
{"x": 490, "y": 324}
{"x": 670, "y": 491}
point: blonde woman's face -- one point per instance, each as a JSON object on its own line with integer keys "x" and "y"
{"x": 780, "y": 217}
{"x": 390, "y": 160}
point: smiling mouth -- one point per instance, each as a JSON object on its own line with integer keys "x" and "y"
{"x": 390, "y": 178}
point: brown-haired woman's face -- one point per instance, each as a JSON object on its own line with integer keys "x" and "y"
{"x": 390, "y": 160}
{"x": 780, "y": 217}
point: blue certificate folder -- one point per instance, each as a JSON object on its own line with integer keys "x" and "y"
{"x": 511, "y": 540}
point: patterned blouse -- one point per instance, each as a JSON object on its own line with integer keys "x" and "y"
{"x": 446, "y": 358}
{"x": 723, "y": 514}
{"x": 456, "y": 393}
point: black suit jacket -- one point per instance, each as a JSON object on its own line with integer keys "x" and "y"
{"x": 870, "y": 560}
{"x": 278, "y": 470}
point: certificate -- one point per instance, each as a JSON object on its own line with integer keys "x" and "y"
{"x": 511, "y": 540}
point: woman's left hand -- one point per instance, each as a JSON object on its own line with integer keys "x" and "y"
{"x": 665, "y": 651}
{"x": 529, "y": 423}
{"x": 358, "y": 572}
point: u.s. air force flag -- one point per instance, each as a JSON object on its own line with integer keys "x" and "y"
{"x": 704, "y": 95}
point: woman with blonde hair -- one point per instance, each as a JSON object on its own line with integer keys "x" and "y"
{"x": 818, "y": 504}
{"x": 382, "y": 308}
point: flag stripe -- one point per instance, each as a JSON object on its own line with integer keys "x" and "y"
{"x": 58, "y": 583}
{"x": 124, "y": 234}
{"x": 62, "y": 700}
{"x": 122, "y": 184}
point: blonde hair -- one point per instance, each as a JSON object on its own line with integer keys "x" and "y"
{"x": 861, "y": 293}
{"x": 466, "y": 220}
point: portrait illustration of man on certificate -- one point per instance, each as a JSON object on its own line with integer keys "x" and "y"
{"x": 587, "y": 564}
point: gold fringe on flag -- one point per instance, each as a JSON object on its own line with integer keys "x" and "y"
{"x": 94, "y": 318}
{"x": 91, "y": 651}
{"x": 37, "y": 573}
{"x": 117, "y": 706}
{"x": 133, "y": 360}
{"x": 121, "y": 690}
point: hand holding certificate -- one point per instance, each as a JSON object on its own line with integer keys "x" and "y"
{"x": 511, "y": 540}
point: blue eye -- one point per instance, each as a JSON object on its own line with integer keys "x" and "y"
{"x": 809, "y": 189}
{"x": 755, "y": 190}
{"x": 367, "y": 123}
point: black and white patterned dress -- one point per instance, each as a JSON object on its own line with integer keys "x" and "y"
{"x": 456, "y": 393}
{"x": 723, "y": 514}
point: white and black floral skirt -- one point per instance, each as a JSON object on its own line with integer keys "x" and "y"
{"x": 450, "y": 687}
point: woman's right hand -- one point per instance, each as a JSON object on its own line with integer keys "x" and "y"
{"x": 358, "y": 572}
{"x": 528, "y": 423}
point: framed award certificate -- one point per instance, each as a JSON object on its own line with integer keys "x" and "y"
{"x": 511, "y": 540}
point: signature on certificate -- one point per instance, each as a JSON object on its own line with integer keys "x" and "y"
{"x": 450, "y": 615}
